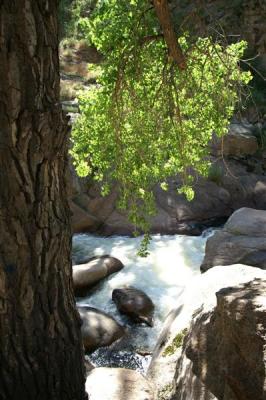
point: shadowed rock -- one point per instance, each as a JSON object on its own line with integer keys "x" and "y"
{"x": 213, "y": 347}
{"x": 98, "y": 328}
{"x": 227, "y": 347}
{"x": 134, "y": 303}
{"x": 242, "y": 240}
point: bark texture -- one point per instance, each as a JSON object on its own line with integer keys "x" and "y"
{"x": 163, "y": 14}
{"x": 41, "y": 355}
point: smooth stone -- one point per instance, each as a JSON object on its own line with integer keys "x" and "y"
{"x": 242, "y": 240}
{"x": 98, "y": 328}
{"x": 85, "y": 276}
{"x": 134, "y": 303}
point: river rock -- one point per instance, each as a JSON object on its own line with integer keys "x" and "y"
{"x": 98, "y": 328}
{"x": 118, "y": 384}
{"x": 86, "y": 275}
{"x": 205, "y": 340}
{"x": 134, "y": 303}
{"x": 242, "y": 240}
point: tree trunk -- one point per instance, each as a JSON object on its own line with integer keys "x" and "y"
{"x": 41, "y": 356}
{"x": 164, "y": 17}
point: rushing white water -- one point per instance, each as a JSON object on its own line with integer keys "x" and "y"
{"x": 163, "y": 275}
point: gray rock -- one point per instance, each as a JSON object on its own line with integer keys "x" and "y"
{"x": 134, "y": 303}
{"x": 229, "y": 187}
{"x": 87, "y": 275}
{"x": 227, "y": 347}
{"x": 239, "y": 141}
{"x": 242, "y": 240}
{"x": 171, "y": 371}
{"x": 82, "y": 221}
{"x": 247, "y": 221}
{"x": 98, "y": 328}
{"x": 118, "y": 384}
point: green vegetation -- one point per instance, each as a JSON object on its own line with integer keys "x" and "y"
{"x": 69, "y": 90}
{"x": 72, "y": 14}
{"x": 260, "y": 134}
{"x": 149, "y": 120}
{"x": 216, "y": 173}
{"x": 176, "y": 343}
{"x": 165, "y": 392}
{"x": 65, "y": 16}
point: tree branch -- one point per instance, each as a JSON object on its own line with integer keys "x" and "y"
{"x": 151, "y": 38}
{"x": 175, "y": 51}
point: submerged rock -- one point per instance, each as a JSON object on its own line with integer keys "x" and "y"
{"x": 86, "y": 275}
{"x": 118, "y": 384}
{"x": 98, "y": 328}
{"x": 242, "y": 240}
{"x": 203, "y": 346}
{"x": 134, "y": 303}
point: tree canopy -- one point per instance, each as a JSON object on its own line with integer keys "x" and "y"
{"x": 150, "y": 118}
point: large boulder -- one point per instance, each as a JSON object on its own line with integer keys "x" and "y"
{"x": 118, "y": 384}
{"x": 87, "y": 275}
{"x": 81, "y": 220}
{"x": 98, "y": 329}
{"x": 242, "y": 240}
{"x": 239, "y": 141}
{"x": 227, "y": 347}
{"x": 134, "y": 303}
{"x": 177, "y": 367}
{"x": 229, "y": 186}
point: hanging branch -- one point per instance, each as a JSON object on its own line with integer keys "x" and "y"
{"x": 163, "y": 15}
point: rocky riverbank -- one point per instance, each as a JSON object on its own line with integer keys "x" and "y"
{"x": 212, "y": 345}
{"x": 235, "y": 180}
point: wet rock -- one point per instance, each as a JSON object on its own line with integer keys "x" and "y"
{"x": 87, "y": 275}
{"x": 98, "y": 328}
{"x": 242, "y": 240}
{"x": 118, "y": 384}
{"x": 70, "y": 106}
{"x": 134, "y": 303}
{"x": 88, "y": 365}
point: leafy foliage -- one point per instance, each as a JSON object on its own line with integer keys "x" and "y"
{"x": 64, "y": 16}
{"x": 72, "y": 13}
{"x": 176, "y": 343}
{"x": 149, "y": 120}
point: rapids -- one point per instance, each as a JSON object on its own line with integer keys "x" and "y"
{"x": 163, "y": 275}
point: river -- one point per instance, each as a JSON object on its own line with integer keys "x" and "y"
{"x": 173, "y": 262}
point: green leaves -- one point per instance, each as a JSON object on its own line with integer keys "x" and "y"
{"x": 149, "y": 121}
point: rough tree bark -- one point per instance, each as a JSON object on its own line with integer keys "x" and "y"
{"x": 41, "y": 354}
{"x": 164, "y": 17}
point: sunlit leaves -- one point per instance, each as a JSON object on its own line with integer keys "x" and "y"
{"x": 149, "y": 121}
